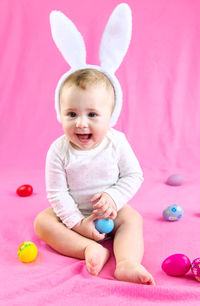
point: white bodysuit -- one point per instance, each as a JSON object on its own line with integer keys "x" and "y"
{"x": 73, "y": 176}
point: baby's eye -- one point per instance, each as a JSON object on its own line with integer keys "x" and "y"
{"x": 72, "y": 114}
{"x": 92, "y": 115}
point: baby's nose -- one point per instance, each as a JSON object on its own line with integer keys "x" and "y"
{"x": 81, "y": 122}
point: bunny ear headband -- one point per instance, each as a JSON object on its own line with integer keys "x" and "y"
{"x": 114, "y": 45}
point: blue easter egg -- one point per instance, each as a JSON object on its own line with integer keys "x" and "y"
{"x": 173, "y": 212}
{"x": 104, "y": 225}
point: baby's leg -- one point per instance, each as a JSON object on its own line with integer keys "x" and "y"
{"x": 128, "y": 247}
{"x": 50, "y": 229}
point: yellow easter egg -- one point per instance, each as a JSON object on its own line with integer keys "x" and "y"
{"x": 27, "y": 251}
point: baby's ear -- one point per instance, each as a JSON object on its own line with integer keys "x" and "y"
{"x": 116, "y": 38}
{"x": 68, "y": 39}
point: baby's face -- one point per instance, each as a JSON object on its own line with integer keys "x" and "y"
{"x": 85, "y": 114}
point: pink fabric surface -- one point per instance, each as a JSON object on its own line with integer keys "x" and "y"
{"x": 160, "y": 79}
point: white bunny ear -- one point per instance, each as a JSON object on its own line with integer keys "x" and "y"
{"x": 68, "y": 39}
{"x": 116, "y": 38}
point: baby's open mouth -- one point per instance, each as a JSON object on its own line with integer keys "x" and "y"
{"x": 84, "y": 136}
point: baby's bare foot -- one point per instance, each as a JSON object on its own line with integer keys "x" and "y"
{"x": 95, "y": 257}
{"x": 128, "y": 272}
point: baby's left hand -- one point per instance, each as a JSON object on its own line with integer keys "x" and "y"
{"x": 105, "y": 207}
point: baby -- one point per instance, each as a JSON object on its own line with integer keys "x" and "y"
{"x": 91, "y": 173}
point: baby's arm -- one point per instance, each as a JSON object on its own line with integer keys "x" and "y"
{"x": 58, "y": 195}
{"x": 63, "y": 204}
{"x": 130, "y": 179}
{"x": 130, "y": 175}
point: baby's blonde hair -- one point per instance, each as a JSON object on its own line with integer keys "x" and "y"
{"x": 85, "y": 78}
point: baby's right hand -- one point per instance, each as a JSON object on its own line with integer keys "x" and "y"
{"x": 87, "y": 229}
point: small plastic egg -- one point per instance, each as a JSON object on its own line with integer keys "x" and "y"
{"x": 27, "y": 251}
{"x": 176, "y": 265}
{"x": 173, "y": 212}
{"x": 104, "y": 225}
{"x": 195, "y": 268}
{"x": 175, "y": 180}
{"x": 24, "y": 190}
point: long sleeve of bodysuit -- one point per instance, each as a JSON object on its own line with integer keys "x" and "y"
{"x": 130, "y": 175}
{"x": 57, "y": 189}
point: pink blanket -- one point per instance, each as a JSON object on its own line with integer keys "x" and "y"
{"x": 160, "y": 77}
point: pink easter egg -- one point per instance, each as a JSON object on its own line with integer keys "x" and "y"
{"x": 195, "y": 268}
{"x": 175, "y": 180}
{"x": 176, "y": 265}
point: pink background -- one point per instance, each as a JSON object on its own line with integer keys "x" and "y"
{"x": 160, "y": 78}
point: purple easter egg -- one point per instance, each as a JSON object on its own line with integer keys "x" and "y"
{"x": 195, "y": 268}
{"x": 176, "y": 265}
{"x": 175, "y": 180}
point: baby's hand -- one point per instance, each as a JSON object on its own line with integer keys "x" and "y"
{"x": 105, "y": 207}
{"x": 87, "y": 229}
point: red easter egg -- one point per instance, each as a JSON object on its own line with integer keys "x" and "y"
{"x": 24, "y": 190}
{"x": 176, "y": 265}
